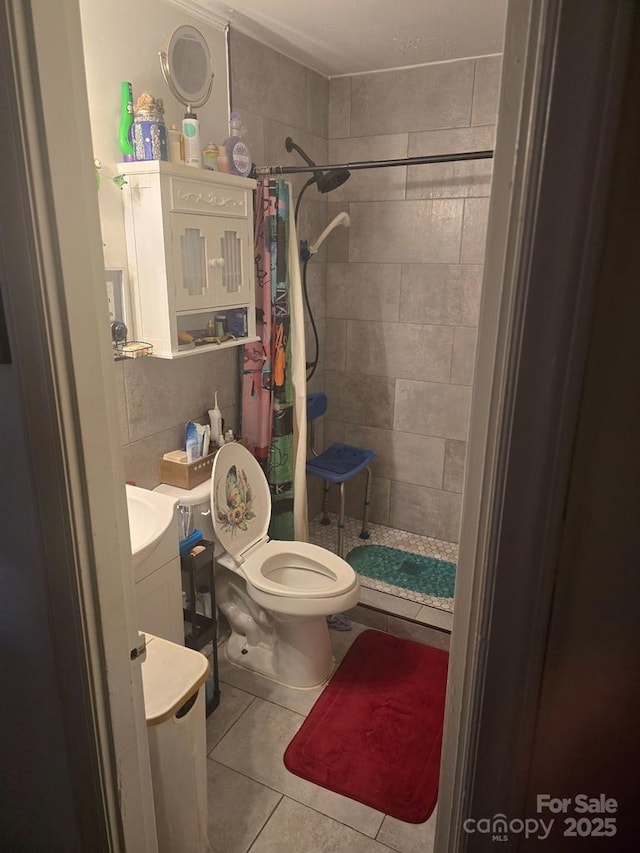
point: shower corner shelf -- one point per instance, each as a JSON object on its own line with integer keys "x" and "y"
{"x": 189, "y": 235}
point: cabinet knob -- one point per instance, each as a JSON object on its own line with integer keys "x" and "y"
{"x": 216, "y": 262}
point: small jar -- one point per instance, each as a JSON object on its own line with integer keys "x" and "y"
{"x": 149, "y": 129}
{"x": 223, "y": 160}
{"x": 210, "y": 157}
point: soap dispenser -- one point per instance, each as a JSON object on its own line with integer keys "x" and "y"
{"x": 215, "y": 417}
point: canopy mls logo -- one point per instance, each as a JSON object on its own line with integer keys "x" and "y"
{"x": 499, "y": 827}
{"x": 583, "y": 816}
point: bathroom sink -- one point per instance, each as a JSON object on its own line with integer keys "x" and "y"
{"x": 151, "y": 515}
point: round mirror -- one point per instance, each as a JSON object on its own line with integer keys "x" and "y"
{"x": 186, "y": 66}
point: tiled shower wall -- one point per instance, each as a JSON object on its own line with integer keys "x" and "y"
{"x": 403, "y": 284}
{"x": 399, "y": 291}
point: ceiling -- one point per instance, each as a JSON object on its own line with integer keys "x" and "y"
{"x": 349, "y": 36}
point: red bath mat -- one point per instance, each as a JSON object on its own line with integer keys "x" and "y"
{"x": 375, "y": 733}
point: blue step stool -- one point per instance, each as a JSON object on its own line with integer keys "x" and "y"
{"x": 338, "y": 464}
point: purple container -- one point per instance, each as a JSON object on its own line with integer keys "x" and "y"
{"x": 149, "y": 132}
{"x": 150, "y": 139}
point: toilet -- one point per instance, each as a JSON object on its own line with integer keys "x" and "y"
{"x": 275, "y": 594}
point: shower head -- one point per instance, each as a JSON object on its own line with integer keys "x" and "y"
{"x": 332, "y": 180}
{"x": 341, "y": 219}
{"x": 325, "y": 181}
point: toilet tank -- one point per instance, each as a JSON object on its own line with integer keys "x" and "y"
{"x": 194, "y": 508}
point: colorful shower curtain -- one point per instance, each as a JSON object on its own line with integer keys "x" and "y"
{"x": 274, "y": 372}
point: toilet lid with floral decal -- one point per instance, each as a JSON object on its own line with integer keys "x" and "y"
{"x": 240, "y": 500}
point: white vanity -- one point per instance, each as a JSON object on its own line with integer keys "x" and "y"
{"x": 190, "y": 256}
{"x": 153, "y": 527}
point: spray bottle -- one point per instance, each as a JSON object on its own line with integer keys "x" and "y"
{"x": 215, "y": 417}
{"x": 126, "y": 121}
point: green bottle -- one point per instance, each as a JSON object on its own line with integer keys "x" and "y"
{"x": 126, "y": 121}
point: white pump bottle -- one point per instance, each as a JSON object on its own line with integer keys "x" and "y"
{"x": 215, "y": 418}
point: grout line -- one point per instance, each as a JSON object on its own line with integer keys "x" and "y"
{"x": 242, "y": 713}
{"x": 271, "y": 814}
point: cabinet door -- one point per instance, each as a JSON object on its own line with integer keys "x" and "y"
{"x": 212, "y": 261}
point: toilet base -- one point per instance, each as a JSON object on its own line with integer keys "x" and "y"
{"x": 301, "y": 657}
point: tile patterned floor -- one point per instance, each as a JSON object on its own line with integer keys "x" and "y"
{"x": 400, "y": 539}
{"x": 257, "y": 806}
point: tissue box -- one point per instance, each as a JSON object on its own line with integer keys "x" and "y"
{"x": 186, "y": 475}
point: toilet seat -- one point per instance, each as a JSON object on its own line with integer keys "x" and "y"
{"x": 297, "y": 569}
{"x": 241, "y": 510}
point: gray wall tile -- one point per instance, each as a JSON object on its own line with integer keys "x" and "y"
{"x": 455, "y": 455}
{"x": 142, "y": 458}
{"x": 317, "y": 103}
{"x": 474, "y": 230}
{"x": 336, "y": 345}
{"x": 163, "y": 393}
{"x": 370, "y": 184}
{"x": 413, "y": 458}
{"x": 432, "y": 408}
{"x": 363, "y": 291}
{"x": 451, "y": 180}
{"x": 272, "y": 85}
{"x": 121, "y": 401}
{"x": 422, "y": 98}
{"x": 447, "y": 294}
{"x": 486, "y": 89}
{"x": 394, "y": 349}
{"x": 431, "y": 512}
{"x": 427, "y": 231}
{"x": 358, "y": 399}
{"x": 339, "y": 107}
{"x": 464, "y": 355}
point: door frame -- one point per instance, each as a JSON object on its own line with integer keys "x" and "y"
{"x": 563, "y": 74}
{"x": 57, "y": 323}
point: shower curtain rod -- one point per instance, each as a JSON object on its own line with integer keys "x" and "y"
{"x": 262, "y": 171}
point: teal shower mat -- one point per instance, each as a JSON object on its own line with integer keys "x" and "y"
{"x": 426, "y": 575}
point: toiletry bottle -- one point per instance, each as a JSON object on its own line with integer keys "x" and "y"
{"x": 126, "y": 121}
{"x": 210, "y": 157}
{"x": 191, "y": 133}
{"x": 176, "y": 144}
{"x": 223, "y": 160}
{"x": 237, "y": 151}
{"x": 215, "y": 416}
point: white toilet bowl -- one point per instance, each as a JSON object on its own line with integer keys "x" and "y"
{"x": 294, "y": 585}
{"x": 275, "y": 595}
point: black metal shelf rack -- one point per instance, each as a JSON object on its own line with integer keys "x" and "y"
{"x": 200, "y": 630}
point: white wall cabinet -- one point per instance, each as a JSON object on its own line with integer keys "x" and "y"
{"x": 190, "y": 255}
